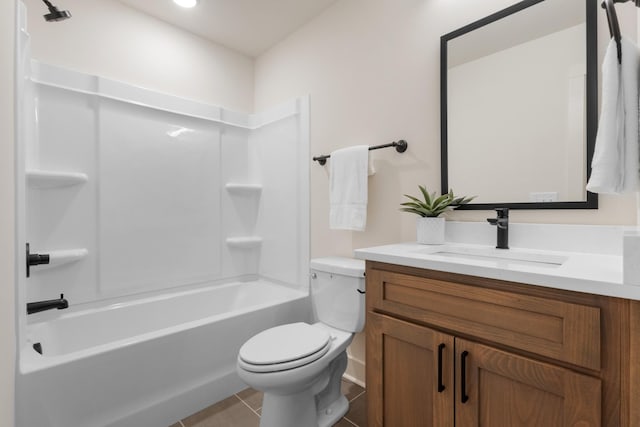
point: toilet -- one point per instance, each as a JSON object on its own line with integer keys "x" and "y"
{"x": 298, "y": 366}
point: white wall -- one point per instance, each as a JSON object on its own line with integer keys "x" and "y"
{"x": 7, "y": 233}
{"x": 109, "y": 39}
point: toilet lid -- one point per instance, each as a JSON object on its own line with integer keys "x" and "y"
{"x": 284, "y": 347}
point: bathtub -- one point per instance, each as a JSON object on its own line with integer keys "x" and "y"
{"x": 146, "y": 362}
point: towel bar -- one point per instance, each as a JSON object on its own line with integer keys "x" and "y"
{"x": 401, "y": 147}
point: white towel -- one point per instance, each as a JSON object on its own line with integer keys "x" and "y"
{"x": 615, "y": 165}
{"x": 348, "y": 188}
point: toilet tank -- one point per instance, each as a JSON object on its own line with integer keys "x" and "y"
{"x": 337, "y": 292}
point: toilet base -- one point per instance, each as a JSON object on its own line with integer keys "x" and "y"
{"x": 300, "y": 411}
{"x": 320, "y": 405}
{"x": 294, "y": 410}
{"x": 333, "y": 413}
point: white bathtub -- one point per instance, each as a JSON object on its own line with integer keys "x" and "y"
{"x": 147, "y": 362}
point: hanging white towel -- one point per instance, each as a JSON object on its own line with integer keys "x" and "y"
{"x": 615, "y": 165}
{"x": 348, "y": 188}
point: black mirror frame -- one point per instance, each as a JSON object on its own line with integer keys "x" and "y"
{"x": 591, "y": 44}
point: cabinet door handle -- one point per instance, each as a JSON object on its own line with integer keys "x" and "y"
{"x": 463, "y": 377}
{"x": 441, "y": 348}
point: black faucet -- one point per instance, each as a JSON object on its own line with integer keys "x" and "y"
{"x": 502, "y": 221}
{"x": 34, "y": 307}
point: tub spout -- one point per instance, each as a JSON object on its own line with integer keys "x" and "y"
{"x": 34, "y": 307}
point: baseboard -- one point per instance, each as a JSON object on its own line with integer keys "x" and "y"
{"x": 355, "y": 371}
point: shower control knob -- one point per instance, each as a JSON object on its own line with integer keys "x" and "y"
{"x": 314, "y": 276}
{"x": 35, "y": 259}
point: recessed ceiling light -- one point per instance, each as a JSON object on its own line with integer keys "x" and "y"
{"x": 186, "y": 3}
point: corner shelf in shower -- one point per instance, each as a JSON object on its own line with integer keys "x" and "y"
{"x": 243, "y": 189}
{"x": 248, "y": 242}
{"x": 54, "y": 179}
{"x": 62, "y": 257}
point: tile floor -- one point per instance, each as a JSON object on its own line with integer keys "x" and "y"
{"x": 243, "y": 410}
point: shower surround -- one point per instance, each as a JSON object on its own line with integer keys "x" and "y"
{"x": 176, "y": 230}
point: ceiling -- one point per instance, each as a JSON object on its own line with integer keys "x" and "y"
{"x": 247, "y": 26}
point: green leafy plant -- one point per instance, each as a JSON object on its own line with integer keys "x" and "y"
{"x": 433, "y": 206}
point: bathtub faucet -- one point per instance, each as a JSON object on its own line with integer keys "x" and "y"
{"x": 34, "y": 307}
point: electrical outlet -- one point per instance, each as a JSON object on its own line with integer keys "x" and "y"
{"x": 543, "y": 196}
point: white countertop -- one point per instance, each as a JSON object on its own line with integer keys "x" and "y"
{"x": 581, "y": 272}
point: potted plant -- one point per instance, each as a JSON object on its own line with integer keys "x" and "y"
{"x": 430, "y": 226}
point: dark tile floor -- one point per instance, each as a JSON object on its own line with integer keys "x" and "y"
{"x": 243, "y": 410}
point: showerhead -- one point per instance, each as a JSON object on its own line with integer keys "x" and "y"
{"x": 55, "y": 14}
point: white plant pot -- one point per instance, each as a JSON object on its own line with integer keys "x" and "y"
{"x": 430, "y": 231}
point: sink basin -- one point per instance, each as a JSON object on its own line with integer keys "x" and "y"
{"x": 497, "y": 256}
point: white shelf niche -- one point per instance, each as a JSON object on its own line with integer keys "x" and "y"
{"x": 244, "y": 189}
{"x": 54, "y": 179}
{"x": 62, "y": 257}
{"x": 248, "y": 242}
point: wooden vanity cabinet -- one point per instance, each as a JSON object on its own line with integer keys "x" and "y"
{"x": 503, "y": 389}
{"x": 409, "y": 374}
{"x": 451, "y": 350}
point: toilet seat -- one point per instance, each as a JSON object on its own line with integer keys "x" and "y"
{"x": 284, "y": 347}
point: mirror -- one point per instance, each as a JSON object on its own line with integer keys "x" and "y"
{"x": 519, "y": 106}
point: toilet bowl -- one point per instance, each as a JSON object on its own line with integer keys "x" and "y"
{"x": 298, "y": 366}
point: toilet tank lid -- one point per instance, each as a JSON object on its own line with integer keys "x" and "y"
{"x": 339, "y": 265}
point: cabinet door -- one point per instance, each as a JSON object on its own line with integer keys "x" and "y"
{"x": 500, "y": 389}
{"x": 409, "y": 374}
